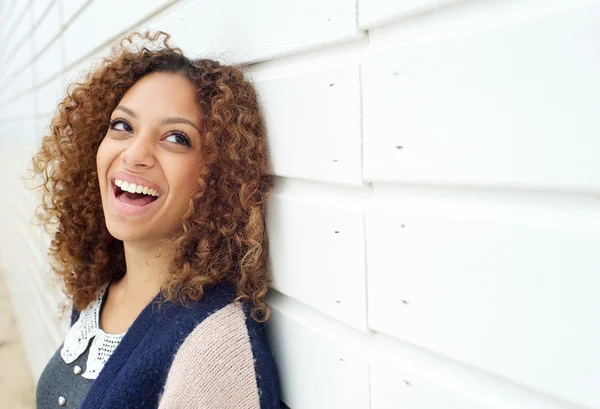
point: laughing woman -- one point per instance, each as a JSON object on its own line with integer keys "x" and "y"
{"x": 155, "y": 178}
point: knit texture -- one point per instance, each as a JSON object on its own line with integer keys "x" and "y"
{"x": 88, "y": 328}
{"x": 136, "y": 373}
{"x": 215, "y": 356}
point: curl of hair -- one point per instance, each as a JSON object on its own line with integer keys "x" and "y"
{"x": 222, "y": 237}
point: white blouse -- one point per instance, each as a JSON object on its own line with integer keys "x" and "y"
{"x": 86, "y": 328}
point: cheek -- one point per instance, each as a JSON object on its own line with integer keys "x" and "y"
{"x": 101, "y": 154}
{"x": 185, "y": 180}
{"x": 100, "y": 165}
{"x": 104, "y": 157}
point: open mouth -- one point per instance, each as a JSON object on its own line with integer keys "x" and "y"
{"x": 130, "y": 194}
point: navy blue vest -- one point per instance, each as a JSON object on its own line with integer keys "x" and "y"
{"x": 135, "y": 374}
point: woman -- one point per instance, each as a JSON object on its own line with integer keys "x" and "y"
{"x": 155, "y": 180}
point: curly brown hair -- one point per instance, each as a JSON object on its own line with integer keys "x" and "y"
{"x": 222, "y": 237}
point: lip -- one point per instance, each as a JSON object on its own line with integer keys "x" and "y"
{"x": 138, "y": 180}
{"x": 131, "y": 210}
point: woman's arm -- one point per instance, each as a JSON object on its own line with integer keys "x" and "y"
{"x": 214, "y": 367}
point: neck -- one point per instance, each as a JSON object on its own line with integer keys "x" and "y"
{"x": 146, "y": 266}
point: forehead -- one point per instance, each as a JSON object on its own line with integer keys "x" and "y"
{"x": 159, "y": 95}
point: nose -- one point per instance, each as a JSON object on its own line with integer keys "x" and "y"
{"x": 139, "y": 152}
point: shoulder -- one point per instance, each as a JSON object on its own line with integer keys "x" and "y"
{"x": 224, "y": 362}
{"x": 74, "y": 315}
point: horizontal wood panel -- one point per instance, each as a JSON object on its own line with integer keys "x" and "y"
{"x": 20, "y": 107}
{"x": 36, "y": 269}
{"x": 8, "y": 25}
{"x": 499, "y": 292}
{"x": 20, "y": 58}
{"x": 70, "y": 8}
{"x": 240, "y": 31}
{"x": 49, "y": 63}
{"x": 35, "y": 320}
{"x": 5, "y": 9}
{"x": 39, "y": 7}
{"x": 318, "y": 362}
{"x": 317, "y": 255}
{"x": 372, "y": 13}
{"x": 15, "y": 131}
{"x": 47, "y": 29}
{"x": 49, "y": 95}
{"x": 313, "y": 124}
{"x": 101, "y": 21}
{"x": 507, "y": 289}
{"x": 440, "y": 382}
{"x": 511, "y": 106}
{"x": 393, "y": 387}
{"x": 42, "y": 128}
{"x": 22, "y": 81}
{"x": 20, "y": 31}
{"x": 21, "y": 264}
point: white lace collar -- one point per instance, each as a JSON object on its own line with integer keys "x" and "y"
{"x": 79, "y": 335}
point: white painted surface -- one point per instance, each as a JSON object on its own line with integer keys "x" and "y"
{"x": 49, "y": 63}
{"x": 20, "y": 30}
{"x": 49, "y": 95}
{"x": 316, "y": 136}
{"x": 71, "y": 8}
{"x": 376, "y": 12}
{"x": 441, "y": 381}
{"x": 393, "y": 387}
{"x": 495, "y": 107}
{"x": 100, "y": 21}
{"x": 510, "y": 312}
{"x": 41, "y": 7}
{"x": 304, "y": 220}
{"x": 19, "y": 107}
{"x": 5, "y": 9}
{"x": 19, "y": 59}
{"x": 38, "y": 317}
{"x": 12, "y": 19}
{"x": 20, "y": 83}
{"x": 319, "y": 359}
{"x": 240, "y": 31}
{"x": 486, "y": 222}
{"x": 47, "y": 29}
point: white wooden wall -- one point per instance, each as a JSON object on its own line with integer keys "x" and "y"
{"x": 435, "y": 224}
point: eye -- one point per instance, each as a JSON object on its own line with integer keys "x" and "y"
{"x": 179, "y": 138}
{"x": 119, "y": 124}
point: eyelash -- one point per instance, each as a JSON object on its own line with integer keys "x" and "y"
{"x": 116, "y": 121}
{"x": 182, "y": 134}
{"x": 187, "y": 142}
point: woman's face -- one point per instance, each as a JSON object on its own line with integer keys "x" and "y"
{"x": 150, "y": 158}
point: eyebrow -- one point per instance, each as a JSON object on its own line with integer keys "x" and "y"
{"x": 164, "y": 121}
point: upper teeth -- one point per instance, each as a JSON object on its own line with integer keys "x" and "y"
{"x": 133, "y": 188}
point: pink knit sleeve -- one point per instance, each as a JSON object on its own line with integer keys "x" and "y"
{"x": 214, "y": 367}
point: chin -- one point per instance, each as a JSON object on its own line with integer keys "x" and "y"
{"x": 126, "y": 234}
{"x": 141, "y": 233}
